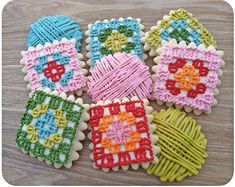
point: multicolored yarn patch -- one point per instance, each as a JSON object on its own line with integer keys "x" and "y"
{"x": 187, "y": 75}
{"x": 56, "y": 66}
{"x": 118, "y": 76}
{"x": 51, "y": 127}
{"x": 179, "y": 25}
{"x": 50, "y": 28}
{"x": 109, "y": 37}
{"x": 183, "y": 146}
{"x": 121, "y": 134}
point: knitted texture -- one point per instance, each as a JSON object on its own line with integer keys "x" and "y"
{"x": 118, "y": 76}
{"x": 50, "y": 28}
{"x": 179, "y": 25}
{"x": 55, "y": 66}
{"x": 187, "y": 75}
{"x": 110, "y": 37}
{"x": 120, "y": 133}
{"x": 182, "y": 146}
{"x": 48, "y": 127}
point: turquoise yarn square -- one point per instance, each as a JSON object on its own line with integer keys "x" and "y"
{"x": 103, "y": 32}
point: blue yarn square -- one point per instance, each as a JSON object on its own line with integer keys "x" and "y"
{"x": 102, "y": 29}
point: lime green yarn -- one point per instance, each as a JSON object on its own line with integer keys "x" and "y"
{"x": 182, "y": 146}
{"x": 154, "y": 38}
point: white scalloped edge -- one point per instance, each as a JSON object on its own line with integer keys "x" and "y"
{"x": 80, "y": 57}
{"x": 187, "y": 109}
{"x": 87, "y": 33}
{"x": 77, "y": 145}
{"x": 153, "y": 137}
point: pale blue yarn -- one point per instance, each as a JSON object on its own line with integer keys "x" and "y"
{"x": 50, "y": 28}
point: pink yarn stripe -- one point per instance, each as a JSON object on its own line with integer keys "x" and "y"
{"x": 118, "y": 76}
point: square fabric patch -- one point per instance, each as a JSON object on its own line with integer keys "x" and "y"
{"x": 108, "y": 37}
{"x": 56, "y": 66}
{"x": 120, "y": 134}
{"x": 51, "y": 127}
{"x": 187, "y": 75}
{"x": 180, "y": 25}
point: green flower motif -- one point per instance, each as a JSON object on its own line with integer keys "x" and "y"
{"x": 183, "y": 34}
{"x": 128, "y": 32}
{"x": 122, "y": 28}
{"x": 116, "y": 40}
{"x": 38, "y": 150}
{"x": 107, "y": 31}
{"x": 129, "y": 47}
{"x": 31, "y": 104}
{"x": 69, "y": 133}
{"x": 26, "y": 119}
{"x": 105, "y": 51}
{"x": 102, "y": 37}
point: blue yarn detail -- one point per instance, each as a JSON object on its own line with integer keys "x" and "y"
{"x": 98, "y": 27}
{"x": 57, "y": 56}
{"x": 42, "y": 60}
{"x": 50, "y": 28}
{"x": 197, "y": 41}
{"x": 45, "y": 125}
{"x": 45, "y": 82}
{"x": 165, "y": 35}
{"x": 179, "y": 24}
{"x": 66, "y": 77}
{"x": 194, "y": 34}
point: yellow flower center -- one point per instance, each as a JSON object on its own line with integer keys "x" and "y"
{"x": 115, "y": 41}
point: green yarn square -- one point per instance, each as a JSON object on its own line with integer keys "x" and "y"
{"x": 48, "y": 127}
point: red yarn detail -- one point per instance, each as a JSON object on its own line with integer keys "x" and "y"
{"x": 172, "y": 68}
{"x": 130, "y": 106}
{"x": 198, "y": 63}
{"x": 96, "y": 112}
{"x": 114, "y": 108}
{"x": 170, "y": 85}
{"x": 179, "y": 63}
{"x": 192, "y": 93}
{"x": 102, "y": 157}
{"x": 139, "y": 112}
{"x": 203, "y": 71}
{"x": 142, "y": 126}
{"x": 201, "y": 88}
{"x": 54, "y": 71}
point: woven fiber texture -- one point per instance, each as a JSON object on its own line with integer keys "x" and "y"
{"x": 180, "y": 25}
{"x": 182, "y": 146}
{"x": 50, "y": 28}
{"x": 118, "y": 76}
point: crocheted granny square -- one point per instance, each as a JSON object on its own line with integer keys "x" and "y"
{"x": 56, "y": 66}
{"x": 118, "y": 76}
{"x": 182, "y": 143}
{"x": 121, "y": 134}
{"x": 179, "y": 25}
{"x": 108, "y": 37}
{"x": 187, "y": 75}
{"x": 51, "y": 127}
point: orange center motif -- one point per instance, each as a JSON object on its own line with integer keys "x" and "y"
{"x": 187, "y": 78}
{"x": 119, "y": 132}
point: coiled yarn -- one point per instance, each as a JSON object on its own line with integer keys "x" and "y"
{"x": 50, "y": 28}
{"x": 182, "y": 146}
